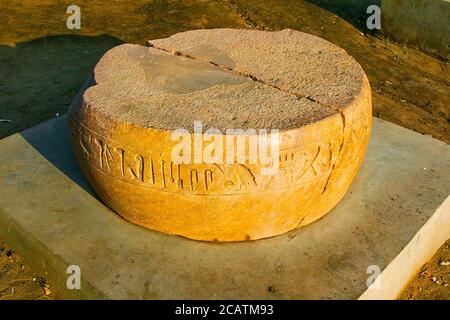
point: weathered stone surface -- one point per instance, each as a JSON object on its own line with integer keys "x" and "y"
{"x": 295, "y": 62}
{"x": 312, "y": 91}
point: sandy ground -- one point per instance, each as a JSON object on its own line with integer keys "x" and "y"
{"x": 18, "y": 281}
{"x": 43, "y": 64}
{"x": 433, "y": 280}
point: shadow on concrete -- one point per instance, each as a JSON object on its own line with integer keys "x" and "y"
{"x": 39, "y": 78}
{"x": 52, "y": 140}
{"x": 353, "y": 11}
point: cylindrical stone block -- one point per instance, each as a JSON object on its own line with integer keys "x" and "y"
{"x": 142, "y": 102}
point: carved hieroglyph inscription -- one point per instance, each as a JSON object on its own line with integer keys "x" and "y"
{"x": 301, "y": 165}
{"x": 277, "y": 147}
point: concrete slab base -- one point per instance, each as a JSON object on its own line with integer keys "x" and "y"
{"x": 51, "y": 217}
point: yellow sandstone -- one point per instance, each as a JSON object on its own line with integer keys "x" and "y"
{"x": 305, "y": 91}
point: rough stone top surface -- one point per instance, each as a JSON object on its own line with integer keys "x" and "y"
{"x": 225, "y": 78}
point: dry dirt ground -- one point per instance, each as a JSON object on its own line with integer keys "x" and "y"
{"x": 43, "y": 64}
{"x": 433, "y": 280}
{"x": 18, "y": 281}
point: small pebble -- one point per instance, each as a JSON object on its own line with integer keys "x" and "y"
{"x": 47, "y": 291}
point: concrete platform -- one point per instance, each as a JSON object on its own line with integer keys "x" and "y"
{"x": 51, "y": 217}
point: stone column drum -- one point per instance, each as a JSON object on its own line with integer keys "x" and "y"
{"x": 316, "y": 96}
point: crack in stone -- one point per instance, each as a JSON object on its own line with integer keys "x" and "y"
{"x": 242, "y": 74}
{"x": 300, "y": 223}
{"x": 256, "y": 79}
{"x": 339, "y": 153}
